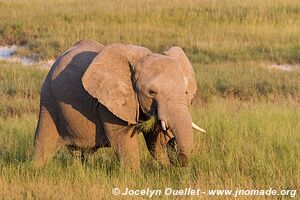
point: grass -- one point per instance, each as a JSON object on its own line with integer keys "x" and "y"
{"x": 210, "y": 31}
{"x": 150, "y": 125}
{"x": 250, "y": 112}
{"x": 247, "y": 81}
{"x": 249, "y": 144}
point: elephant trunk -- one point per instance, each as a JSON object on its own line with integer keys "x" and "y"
{"x": 180, "y": 124}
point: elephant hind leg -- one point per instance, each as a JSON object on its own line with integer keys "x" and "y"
{"x": 47, "y": 140}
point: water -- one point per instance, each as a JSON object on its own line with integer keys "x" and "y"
{"x": 7, "y": 53}
{"x": 284, "y": 67}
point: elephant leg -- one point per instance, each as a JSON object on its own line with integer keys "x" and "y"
{"x": 127, "y": 149}
{"x": 157, "y": 146}
{"x": 125, "y": 145}
{"x": 172, "y": 151}
{"x": 47, "y": 139}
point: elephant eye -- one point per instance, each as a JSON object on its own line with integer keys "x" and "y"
{"x": 152, "y": 93}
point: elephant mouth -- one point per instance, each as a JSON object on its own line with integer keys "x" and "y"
{"x": 150, "y": 125}
{"x": 154, "y": 125}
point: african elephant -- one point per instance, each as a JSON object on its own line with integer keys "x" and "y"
{"x": 94, "y": 95}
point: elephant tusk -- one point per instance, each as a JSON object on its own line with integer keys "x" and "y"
{"x": 163, "y": 125}
{"x": 198, "y": 128}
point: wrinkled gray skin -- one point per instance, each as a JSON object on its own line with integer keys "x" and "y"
{"x": 94, "y": 95}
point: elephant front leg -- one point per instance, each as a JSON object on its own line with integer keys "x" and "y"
{"x": 157, "y": 146}
{"x": 125, "y": 145}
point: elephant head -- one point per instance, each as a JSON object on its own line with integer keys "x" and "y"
{"x": 132, "y": 82}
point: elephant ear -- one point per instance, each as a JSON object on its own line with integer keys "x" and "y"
{"x": 109, "y": 79}
{"x": 178, "y": 54}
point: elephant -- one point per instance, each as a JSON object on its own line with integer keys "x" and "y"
{"x": 94, "y": 96}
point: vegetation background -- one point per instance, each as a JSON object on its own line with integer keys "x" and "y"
{"x": 251, "y": 112}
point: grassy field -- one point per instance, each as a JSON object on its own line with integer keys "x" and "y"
{"x": 251, "y": 112}
{"x": 210, "y": 30}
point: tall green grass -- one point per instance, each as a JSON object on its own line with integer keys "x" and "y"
{"x": 250, "y": 144}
